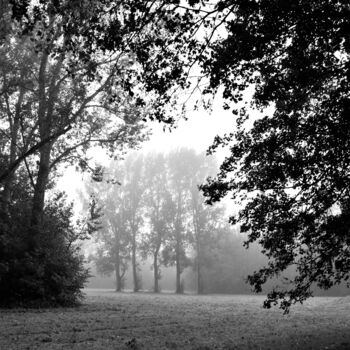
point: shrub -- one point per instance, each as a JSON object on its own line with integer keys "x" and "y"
{"x": 51, "y": 274}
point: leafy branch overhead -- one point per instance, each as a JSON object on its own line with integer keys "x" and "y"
{"x": 291, "y": 168}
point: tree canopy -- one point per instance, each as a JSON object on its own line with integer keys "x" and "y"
{"x": 290, "y": 170}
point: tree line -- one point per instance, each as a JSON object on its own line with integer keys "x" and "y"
{"x": 154, "y": 209}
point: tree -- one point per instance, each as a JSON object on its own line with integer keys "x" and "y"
{"x": 205, "y": 219}
{"x": 179, "y": 163}
{"x": 112, "y": 254}
{"x": 133, "y": 191}
{"x": 158, "y": 207}
{"x": 290, "y": 169}
{"x": 120, "y": 195}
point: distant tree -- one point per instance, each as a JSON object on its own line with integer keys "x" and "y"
{"x": 134, "y": 189}
{"x": 179, "y": 163}
{"x": 158, "y": 211}
{"x": 225, "y": 263}
{"x": 120, "y": 195}
{"x": 112, "y": 254}
{"x": 207, "y": 222}
{"x": 204, "y": 219}
{"x": 290, "y": 169}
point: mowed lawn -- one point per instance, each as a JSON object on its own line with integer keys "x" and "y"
{"x": 110, "y": 320}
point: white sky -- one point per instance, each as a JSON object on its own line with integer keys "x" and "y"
{"x": 197, "y": 132}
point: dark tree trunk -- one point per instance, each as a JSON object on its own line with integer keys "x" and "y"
{"x": 199, "y": 277}
{"x": 45, "y": 117}
{"x": 118, "y": 276}
{"x": 178, "y": 226}
{"x": 179, "y": 289}
{"x": 134, "y": 264}
{"x": 40, "y": 186}
{"x": 199, "y": 260}
{"x": 156, "y": 270}
{"x": 119, "y": 282}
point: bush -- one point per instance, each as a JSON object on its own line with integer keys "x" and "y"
{"x": 51, "y": 274}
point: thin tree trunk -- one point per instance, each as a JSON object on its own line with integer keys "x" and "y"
{"x": 199, "y": 257}
{"x": 178, "y": 268}
{"x": 156, "y": 270}
{"x": 134, "y": 264}
{"x": 199, "y": 277}
{"x": 179, "y": 288}
{"x": 118, "y": 277}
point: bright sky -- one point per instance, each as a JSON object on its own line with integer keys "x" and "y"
{"x": 197, "y": 132}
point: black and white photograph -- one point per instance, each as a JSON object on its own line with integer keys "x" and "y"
{"x": 175, "y": 174}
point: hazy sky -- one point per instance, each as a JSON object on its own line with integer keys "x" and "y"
{"x": 197, "y": 132}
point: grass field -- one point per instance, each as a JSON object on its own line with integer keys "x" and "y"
{"x": 108, "y": 320}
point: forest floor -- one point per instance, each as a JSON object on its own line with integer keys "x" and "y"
{"x": 109, "y": 320}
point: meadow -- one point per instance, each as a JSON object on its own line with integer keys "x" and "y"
{"x": 109, "y": 320}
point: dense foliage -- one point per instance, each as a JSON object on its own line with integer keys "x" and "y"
{"x": 289, "y": 169}
{"x": 54, "y": 273}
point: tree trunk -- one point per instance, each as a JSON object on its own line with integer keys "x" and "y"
{"x": 156, "y": 271}
{"x": 199, "y": 259}
{"x": 179, "y": 289}
{"x": 118, "y": 276}
{"x": 134, "y": 264}
{"x": 40, "y": 186}
{"x": 199, "y": 277}
{"x": 45, "y": 116}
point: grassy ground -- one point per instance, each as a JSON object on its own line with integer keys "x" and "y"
{"x": 109, "y": 320}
